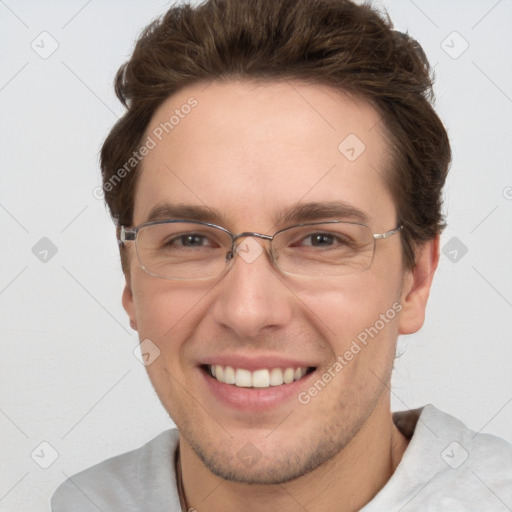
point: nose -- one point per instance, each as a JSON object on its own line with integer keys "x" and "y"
{"x": 252, "y": 296}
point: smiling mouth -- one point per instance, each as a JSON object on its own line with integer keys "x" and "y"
{"x": 264, "y": 378}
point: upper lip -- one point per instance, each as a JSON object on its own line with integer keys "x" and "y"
{"x": 253, "y": 363}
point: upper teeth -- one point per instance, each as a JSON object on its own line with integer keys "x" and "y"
{"x": 257, "y": 379}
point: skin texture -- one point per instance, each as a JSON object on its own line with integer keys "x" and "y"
{"x": 250, "y": 150}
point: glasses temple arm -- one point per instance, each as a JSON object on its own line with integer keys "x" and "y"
{"x": 126, "y": 235}
{"x": 380, "y": 236}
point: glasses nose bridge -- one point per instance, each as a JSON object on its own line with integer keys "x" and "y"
{"x": 245, "y": 234}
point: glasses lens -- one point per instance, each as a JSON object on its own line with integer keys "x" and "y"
{"x": 182, "y": 250}
{"x": 324, "y": 249}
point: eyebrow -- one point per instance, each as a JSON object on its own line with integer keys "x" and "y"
{"x": 165, "y": 211}
{"x": 298, "y": 214}
{"x": 309, "y": 212}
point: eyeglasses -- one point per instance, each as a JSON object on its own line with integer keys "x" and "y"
{"x": 182, "y": 249}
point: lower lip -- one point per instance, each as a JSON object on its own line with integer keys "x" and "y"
{"x": 254, "y": 399}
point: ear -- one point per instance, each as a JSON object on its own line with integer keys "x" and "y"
{"x": 129, "y": 305}
{"x": 416, "y": 289}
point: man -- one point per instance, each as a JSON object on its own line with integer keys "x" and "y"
{"x": 276, "y": 183}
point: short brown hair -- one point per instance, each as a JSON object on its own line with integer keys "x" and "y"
{"x": 350, "y": 47}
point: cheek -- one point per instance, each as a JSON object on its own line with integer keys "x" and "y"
{"x": 167, "y": 315}
{"x": 355, "y": 302}
{"x": 358, "y": 319}
{"x": 164, "y": 307}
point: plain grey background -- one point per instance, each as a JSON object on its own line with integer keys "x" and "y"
{"x": 72, "y": 389}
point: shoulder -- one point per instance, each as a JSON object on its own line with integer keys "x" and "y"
{"x": 463, "y": 445}
{"x": 131, "y": 481}
{"x": 448, "y": 466}
{"x": 474, "y": 471}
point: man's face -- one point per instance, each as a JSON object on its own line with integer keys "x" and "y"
{"x": 250, "y": 152}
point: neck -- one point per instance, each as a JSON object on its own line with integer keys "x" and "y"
{"x": 345, "y": 483}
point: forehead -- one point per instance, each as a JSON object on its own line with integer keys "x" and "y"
{"x": 250, "y": 151}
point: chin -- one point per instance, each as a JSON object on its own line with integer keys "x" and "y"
{"x": 267, "y": 461}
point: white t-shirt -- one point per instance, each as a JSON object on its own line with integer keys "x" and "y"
{"x": 446, "y": 467}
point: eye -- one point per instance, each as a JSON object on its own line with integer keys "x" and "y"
{"x": 323, "y": 239}
{"x": 188, "y": 240}
{"x": 317, "y": 239}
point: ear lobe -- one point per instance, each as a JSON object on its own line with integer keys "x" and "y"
{"x": 129, "y": 306}
{"x": 416, "y": 289}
